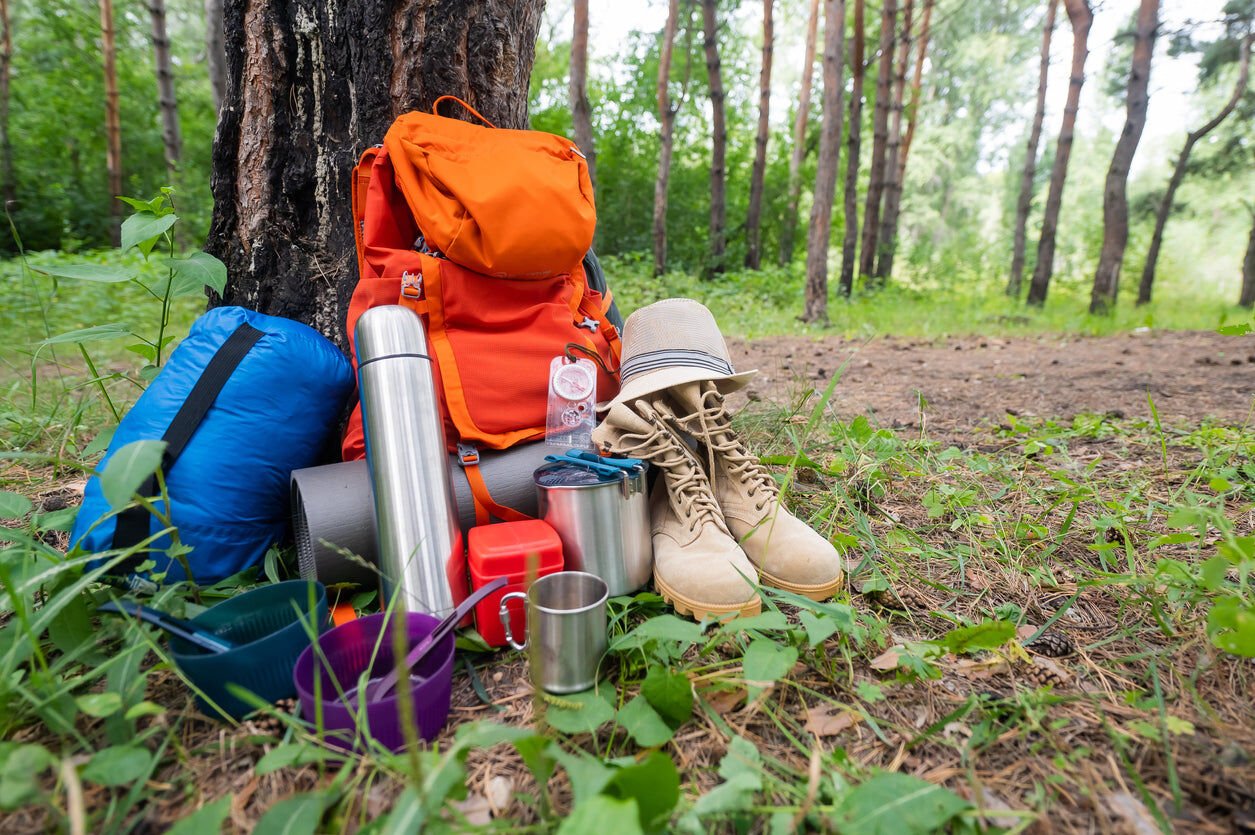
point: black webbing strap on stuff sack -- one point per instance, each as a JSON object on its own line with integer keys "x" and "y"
{"x": 133, "y": 525}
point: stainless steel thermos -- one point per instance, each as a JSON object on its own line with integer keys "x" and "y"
{"x": 421, "y": 558}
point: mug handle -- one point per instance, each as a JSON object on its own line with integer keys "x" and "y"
{"x": 504, "y": 614}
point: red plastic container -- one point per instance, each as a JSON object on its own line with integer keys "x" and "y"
{"x": 508, "y": 550}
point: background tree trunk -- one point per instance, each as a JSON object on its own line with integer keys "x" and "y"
{"x": 850, "y": 241}
{"x": 216, "y": 51}
{"x": 113, "y": 122}
{"x": 719, "y": 141}
{"x": 1247, "y": 298}
{"x": 1178, "y": 172}
{"x": 581, "y": 110}
{"x": 170, "y": 134}
{"x": 310, "y": 84}
{"x": 753, "y": 214}
{"x": 895, "y": 161}
{"x": 666, "y": 118}
{"x": 1115, "y": 202}
{"x": 1081, "y": 18}
{"x": 917, "y": 81}
{"x": 880, "y": 136}
{"x": 1025, "y": 201}
{"x": 8, "y": 186}
{"x": 788, "y": 231}
{"x": 820, "y": 231}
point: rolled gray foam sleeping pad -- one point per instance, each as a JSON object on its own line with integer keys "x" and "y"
{"x": 335, "y": 503}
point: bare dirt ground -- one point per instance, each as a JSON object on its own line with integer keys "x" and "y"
{"x": 967, "y": 382}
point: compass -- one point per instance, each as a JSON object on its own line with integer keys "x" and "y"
{"x": 574, "y": 382}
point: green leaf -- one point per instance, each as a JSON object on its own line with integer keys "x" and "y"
{"x": 654, "y": 783}
{"x": 97, "y": 333}
{"x": 764, "y": 622}
{"x": 297, "y": 815}
{"x": 87, "y": 272}
{"x": 669, "y": 693}
{"x": 644, "y": 724}
{"x": 602, "y": 814}
{"x": 55, "y": 520}
{"x": 741, "y": 769}
{"x": 128, "y": 468}
{"x": 588, "y": 711}
{"x": 99, "y": 705}
{"x": 588, "y": 775}
{"x": 20, "y": 769}
{"x": 100, "y": 443}
{"x": 1240, "y": 329}
{"x": 13, "y": 505}
{"x": 1231, "y": 626}
{"x": 144, "y": 708}
{"x": 662, "y": 627}
{"x": 143, "y": 228}
{"x": 294, "y": 754}
{"x": 989, "y": 634}
{"x": 207, "y": 820}
{"x": 897, "y": 804}
{"x": 870, "y": 692}
{"x": 1212, "y": 573}
{"x": 766, "y": 662}
{"x": 118, "y": 765}
{"x": 819, "y": 628}
{"x": 196, "y": 272}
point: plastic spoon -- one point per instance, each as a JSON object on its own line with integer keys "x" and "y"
{"x": 175, "y": 626}
{"x": 377, "y": 689}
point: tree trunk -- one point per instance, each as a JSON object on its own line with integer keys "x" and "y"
{"x": 719, "y": 140}
{"x": 1081, "y": 18}
{"x": 666, "y": 117}
{"x": 311, "y": 84}
{"x": 788, "y": 231}
{"x": 1115, "y": 202}
{"x": 820, "y": 232}
{"x": 1178, "y": 173}
{"x": 170, "y": 135}
{"x": 1025, "y": 201}
{"x": 113, "y": 122}
{"x": 1247, "y": 299}
{"x": 8, "y": 186}
{"x": 880, "y": 137}
{"x": 581, "y": 110}
{"x": 925, "y": 35}
{"x": 753, "y": 215}
{"x": 216, "y": 51}
{"x": 850, "y": 241}
{"x": 895, "y": 159}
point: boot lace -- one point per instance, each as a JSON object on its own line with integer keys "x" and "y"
{"x": 713, "y": 428}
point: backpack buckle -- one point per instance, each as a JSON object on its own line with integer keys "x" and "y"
{"x": 468, "y": 456}
{"x": 590, "y": 323}
{"x": 412, "y": 285}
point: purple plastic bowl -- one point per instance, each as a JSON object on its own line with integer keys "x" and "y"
{"x": 348, "y": 650}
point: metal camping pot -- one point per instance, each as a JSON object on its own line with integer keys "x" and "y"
{"x": 603, "y": 521}
{"x": 421, "y": 557}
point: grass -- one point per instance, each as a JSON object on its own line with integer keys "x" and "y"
{"x": 1048, "y": 623}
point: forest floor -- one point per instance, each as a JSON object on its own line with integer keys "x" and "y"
{"x": 1029, "y": 640}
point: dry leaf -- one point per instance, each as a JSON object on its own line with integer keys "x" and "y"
{"x": 499, "y": 791}
{"x": 979, "y": 670}
{"x": 1131, "y": 812}
{"x": 1023, "y": 633}
{"x": 887, "y": 660}
{"x": 476, "y": 809}
{"x": 725, "y": 701}
{"x": 823, "y": 720}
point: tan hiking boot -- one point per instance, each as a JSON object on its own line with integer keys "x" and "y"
{"x": 787, "y": 552}
{"x": 698, "y": 567}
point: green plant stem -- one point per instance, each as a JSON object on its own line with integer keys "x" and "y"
{"x": 91, "y": 366}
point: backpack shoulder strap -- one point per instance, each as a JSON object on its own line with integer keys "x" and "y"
{"x": 361, "y": 183}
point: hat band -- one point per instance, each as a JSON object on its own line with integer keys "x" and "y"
{"x": 654, "y": 360}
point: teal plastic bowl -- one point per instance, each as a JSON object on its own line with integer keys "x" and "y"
{"x": 271, "y": 627}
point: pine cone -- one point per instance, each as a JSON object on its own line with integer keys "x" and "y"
{"x": 270, "y": 724}
{"x": 1042, "y": 675}
{"x": 903, "y": 599}
{"x": 1052, "y": 645}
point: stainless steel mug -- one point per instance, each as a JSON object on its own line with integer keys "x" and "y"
{"x": 566, "y": 625}
{"x": 603, "y": 522}
{"x": 421, "y": 557}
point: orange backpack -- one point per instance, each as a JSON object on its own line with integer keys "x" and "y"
{"x": 482, "y": 232}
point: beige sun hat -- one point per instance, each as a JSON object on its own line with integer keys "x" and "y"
{"x": 672, "y": 342}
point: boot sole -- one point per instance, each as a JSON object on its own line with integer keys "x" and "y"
{"x": 701, "y": 611}
{"x": 819, "y": 592}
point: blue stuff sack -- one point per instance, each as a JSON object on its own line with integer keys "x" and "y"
{"x": 243, "y": 401}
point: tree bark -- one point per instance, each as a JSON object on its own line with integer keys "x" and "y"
{"x": 666, "y": 117}
{"x": 1082, "y": 18}
{"x": 1115, "y": 203}
{"x": 170, "y": 134}
{"x": 8, "y": 188}
{"x": 850, "y": 241}
{"x": 788, "y": 231}
{"x": 310, "y": 85}
{"x": 1247, "y": 298}
{"x": 925, "y": 35}
{"x": 753, "y": 215}
{"x": 581, "y": 110}
{"x": 880, "y": 136}
{"x": 820, "y": 232}
{"x": 1145, "y": 289}
{"x": 113, "y": 122}
{"x": 216, "y": 51}
{"x": 718, "y": 142}
{"x": 1025, "y": 201}
{"x": 895, "y": 159}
